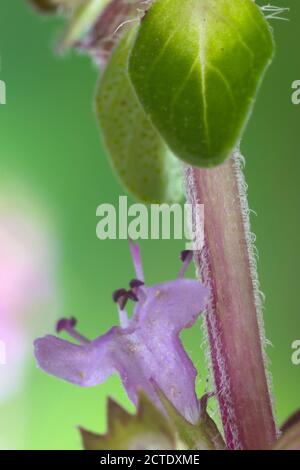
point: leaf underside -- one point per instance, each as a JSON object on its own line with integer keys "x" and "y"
{"x": 137, "y": 153}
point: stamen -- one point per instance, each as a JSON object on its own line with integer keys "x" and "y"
{"x": 186, "y": 257}
{"x": 68, "y": 325}
{"x": 118, "y": 294}
{"x": 136, "y": 283}
{"x": 122, "y": 302}
{"x": 132, "y": 296}
{"x": 137, "y": 288}
{"x": 186, "y": 254}
{"x": 136, "y": 258}
{"x": 123, "y": 318}
{"x": 121, "y": 296}
{"x": 65, "y": 323}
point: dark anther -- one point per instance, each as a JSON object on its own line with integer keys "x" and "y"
{"x": 118, "y": 294}
{"x": 185, "y": 254}
{"x": 65, "y": 323}
{"x": 136, "y": 283}
{"x": 132, "y": 296}
{"x": 123, "y": 301}
{"x": 121, "y": 296}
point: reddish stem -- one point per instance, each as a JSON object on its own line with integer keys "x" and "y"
{"x": 234, "y": 322}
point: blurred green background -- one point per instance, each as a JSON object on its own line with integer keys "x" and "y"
{"x": 50, "y": 145}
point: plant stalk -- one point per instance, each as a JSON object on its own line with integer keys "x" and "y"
{"x": 235, "y": 332}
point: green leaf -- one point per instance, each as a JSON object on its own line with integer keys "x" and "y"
{"x": 140, "y": 158}
{"x": 196, "y": 66}
{"x": 202, "y": 436}
{"x": 146, "y": 430}
{"x": 151, "y": 429}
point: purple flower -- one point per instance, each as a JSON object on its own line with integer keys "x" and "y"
{"x": 145, "y": 350}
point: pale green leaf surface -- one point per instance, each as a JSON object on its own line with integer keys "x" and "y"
{"x": 140, "y": 158}
{"x": 148, "y": 429}
{"x": 196, "y": 66}
{"x": 201, "y": 436}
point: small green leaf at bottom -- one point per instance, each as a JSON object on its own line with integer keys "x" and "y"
{"x": 203, "y": 435}
{"x": 148, "y": 429}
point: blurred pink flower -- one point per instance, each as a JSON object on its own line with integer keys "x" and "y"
{"x": 13, "y": 349}
{"x": 26, "y": 287}
{"x": 24, "y": 264}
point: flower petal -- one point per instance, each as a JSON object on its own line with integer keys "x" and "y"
{"x": 86, "y": 365}
{"x": 173, "y": 305}
{"x": 148, "y": 351}
{"x": 157, "y": 349}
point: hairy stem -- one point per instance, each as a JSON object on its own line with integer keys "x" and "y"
{"x": 234, "y": 321}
